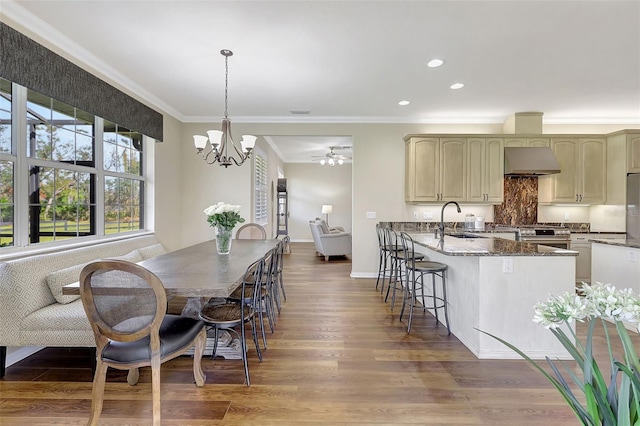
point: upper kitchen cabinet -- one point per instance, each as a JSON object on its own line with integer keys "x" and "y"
{"x": 485, "y": 157}
{"x": 527, "y": 142}
{"x": 583, "y": 176}
{"x": 633, "y": 153}
{"x": 623, "y": 156}
{"x": 435, "y": 169}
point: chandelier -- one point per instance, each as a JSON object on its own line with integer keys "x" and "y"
{"x": 219, "y": 140}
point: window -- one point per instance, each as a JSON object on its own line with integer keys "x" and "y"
{"x": 260, "y": 188}
{"x": 123, "y": 186}
{"x": 62, "y": 175}
{"x": 72, "y": 164}
{"x": 7, "y": 161}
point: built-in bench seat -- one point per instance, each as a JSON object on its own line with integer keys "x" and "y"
{"x": 33, "y": 311}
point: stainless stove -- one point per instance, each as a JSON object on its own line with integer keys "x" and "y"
{"x": 554, "y": 236}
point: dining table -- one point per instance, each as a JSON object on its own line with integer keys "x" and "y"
{"x": 198, "y": 273}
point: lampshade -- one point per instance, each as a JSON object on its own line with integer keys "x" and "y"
{"x": 327, "y": 208}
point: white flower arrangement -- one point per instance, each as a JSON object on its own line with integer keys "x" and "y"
{"x": 617, "y": 403}
{"x": 223, "y": 215}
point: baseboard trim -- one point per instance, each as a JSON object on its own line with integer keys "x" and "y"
{"x": 364, "y": 274}
{"x": 21, "y": 353}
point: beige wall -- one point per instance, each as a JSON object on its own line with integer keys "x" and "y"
{"x": 310, "y": 186}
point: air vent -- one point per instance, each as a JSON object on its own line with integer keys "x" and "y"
{"x": 299, "y": 111}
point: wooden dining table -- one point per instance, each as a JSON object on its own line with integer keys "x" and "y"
{"x": 198, "y": 271}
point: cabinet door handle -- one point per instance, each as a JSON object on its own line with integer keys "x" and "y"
{"x": 576, "y": 197}
{"x": 580, "y": 197}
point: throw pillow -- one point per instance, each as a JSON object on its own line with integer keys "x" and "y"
{"x": 133, "y": 257}
{"x": 151, "y": 251}
{"x": 324, "y": 227}
{"x": 58, "y": 279}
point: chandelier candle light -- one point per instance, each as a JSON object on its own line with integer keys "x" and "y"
{"x": 219, "y": 140}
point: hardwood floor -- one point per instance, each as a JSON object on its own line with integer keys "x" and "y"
{"x": 338, "y": 356}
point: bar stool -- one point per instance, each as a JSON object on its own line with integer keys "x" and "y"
{"x": 415, "y": 272}
{"x": 398, "y": 257}
{"x": 387, "y": 262}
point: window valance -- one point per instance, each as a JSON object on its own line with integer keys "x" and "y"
{"x": 32, "y": 65}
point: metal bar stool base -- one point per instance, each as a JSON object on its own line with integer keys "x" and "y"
{"x": 416, "y": 282}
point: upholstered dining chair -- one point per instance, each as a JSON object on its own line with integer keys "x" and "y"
{"x": 251, "y": 231}
{"x": 126, "y": 305}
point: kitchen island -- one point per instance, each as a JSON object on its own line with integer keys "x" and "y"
{"x": 616, "y": 262}
{"x": 493, "y": 285}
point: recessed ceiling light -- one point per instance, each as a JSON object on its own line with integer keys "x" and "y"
{"x": 403, "y": 103}
{"x": 434, "y": 63}
{"x": 455, "y": 86}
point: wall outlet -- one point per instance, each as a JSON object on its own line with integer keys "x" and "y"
{"x": 427, "y": 216}
{"x": 633, "y": 256}
{"x": 566, "y": 216}
{"x": 507, "y": 265}
{"x": 415, "y": 215}
{"x": 371, "y": 215}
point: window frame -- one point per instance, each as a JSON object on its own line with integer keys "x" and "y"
{"x": 260, "y": 189}
{"x": 21, "y": 164}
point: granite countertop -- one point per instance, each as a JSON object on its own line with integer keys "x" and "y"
{"x": 587, "y": 231}
{"x": 622, "y": 242}
{"x": 480, "y": 246}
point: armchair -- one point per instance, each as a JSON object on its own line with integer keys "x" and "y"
{"x": 330, "y": 244}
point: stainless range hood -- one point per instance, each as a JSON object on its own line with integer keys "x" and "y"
{"x": 530, "y": 161}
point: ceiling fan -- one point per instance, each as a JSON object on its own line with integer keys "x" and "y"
{"x": 332, "y": 157}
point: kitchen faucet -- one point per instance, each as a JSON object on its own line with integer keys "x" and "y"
{"x": 441, "y": 226}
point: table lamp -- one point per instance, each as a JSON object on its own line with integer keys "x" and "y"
{"x": 326, "y": 209}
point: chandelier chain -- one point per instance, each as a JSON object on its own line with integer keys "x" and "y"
{"x": 226, "y": 85}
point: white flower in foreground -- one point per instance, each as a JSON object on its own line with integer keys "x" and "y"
{"x": 607, "y": 302}
{"x": 560, "y": 309}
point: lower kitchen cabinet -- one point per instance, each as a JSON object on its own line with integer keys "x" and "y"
{"x": 581, "y": 244}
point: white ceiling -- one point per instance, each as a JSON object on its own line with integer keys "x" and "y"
{"x": 352, "y": 61}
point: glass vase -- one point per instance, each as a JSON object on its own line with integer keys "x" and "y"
{"x": 223, "y": 239}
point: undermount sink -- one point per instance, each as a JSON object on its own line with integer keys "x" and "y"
{"x": 464, "y": 236}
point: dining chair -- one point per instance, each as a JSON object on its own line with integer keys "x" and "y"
{"x": 265, "y": 294}
{"x": 229, "y": 315}
{"x": 278, "y": 279}
{"x": 126, "y": 305}
{"x": 251, "y": 231}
